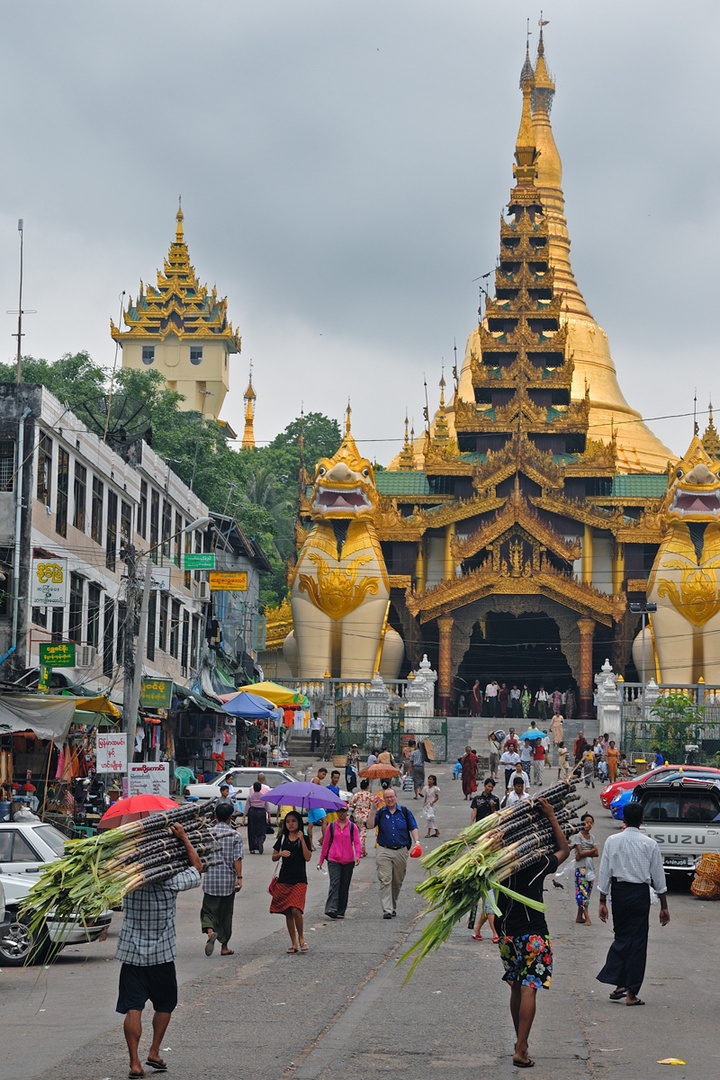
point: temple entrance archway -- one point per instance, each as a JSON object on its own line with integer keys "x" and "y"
{"x": 523, "y": 648}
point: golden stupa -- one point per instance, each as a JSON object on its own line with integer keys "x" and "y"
{"x": 638, "y": 449}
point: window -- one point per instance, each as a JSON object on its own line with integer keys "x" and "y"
{"x": 166, "y": 528}
{"x": 122, "y": 630}
{"x": 163, "y": 623}
{"x": 15, "y": 848}
{"x": 58, "y": 621}
{"x": 125, "y": 527}
{"x": 7, "y": 464}
{"x": 194, "y": 638}
{"x": 148, "y": 354}
{"x": 196, "y": 353}
{"x": 96, "y": 514}
{"x": 44, "y": 468}
{"x": 108, "y": 637}
{"x": 77, "y": 586}
{"x": 93, "y": 616}
{"x": 154, "y": 522}
{"x": 174, "y": 629}
{"x": 80, "y": 488}
{"x": 111, "y": 531}
{"x": 142, "y": 510}
{"x": 63, "y": 488}
{"x": 152, "y": 616}
{"x": 39, "y": 616}
{"x": 185, "y": 641}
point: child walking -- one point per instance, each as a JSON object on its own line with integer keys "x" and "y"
{"x": 432, "y": 794}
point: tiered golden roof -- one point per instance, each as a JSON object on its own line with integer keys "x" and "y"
{"x": 249, "y": 397}
{"x": 179, "y": 305}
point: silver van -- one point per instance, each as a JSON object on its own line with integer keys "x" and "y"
{"x": 682, "y": 815}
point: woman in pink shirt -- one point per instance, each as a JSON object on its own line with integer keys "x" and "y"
{"x": 341, "y": 848}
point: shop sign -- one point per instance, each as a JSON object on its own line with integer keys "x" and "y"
{"x": 156, "y": 693}
{"x": 199, "y": 560}
{"x": 160, "y": 578}
{"x": 48, "y": 583}
{"x": 228, "y": 582}
{"x": 57, "y": 653}
{"x": 44, "y": 680}
{"x": 149, "y": 778}
{"x": 111, "y": 752}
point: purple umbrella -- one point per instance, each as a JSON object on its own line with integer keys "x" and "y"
{"x": 304, "y": 796}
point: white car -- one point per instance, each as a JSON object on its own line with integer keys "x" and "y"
{"x": 242, "y": 779}
{"x": 25, "y": 847}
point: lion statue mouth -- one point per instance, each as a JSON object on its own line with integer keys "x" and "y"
{"x": 353, "y": 500}
{"x": 697, "y": 501}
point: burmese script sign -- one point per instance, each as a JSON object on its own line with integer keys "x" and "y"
{"x": 48, "y": 583}
{"x": 149, "y": 778}
{"x": 229, "y": 582}
{"x": 156, "y": 693}
{"x": 57, "y": 653}
{"x": 199, "y": 560}
{"x": 111, "y": 752}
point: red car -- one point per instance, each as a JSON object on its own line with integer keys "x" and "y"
{"x": 609, "y": 793}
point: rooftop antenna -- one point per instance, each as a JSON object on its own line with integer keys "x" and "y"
{"x": 695, "y": 423}
{"x": 20, "y": 312}
{"x": 114, "y": 368}
{"x": 455, "y": 369}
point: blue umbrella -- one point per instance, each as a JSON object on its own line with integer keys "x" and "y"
{"x": 533, "y": 733}
{"x": 249, "y": 706}
{"x": 304, "y": 796}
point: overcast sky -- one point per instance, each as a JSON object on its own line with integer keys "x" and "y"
{"x": 342, "y": 166}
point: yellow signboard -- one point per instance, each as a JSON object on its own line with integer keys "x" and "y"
{"x": 230, "y": 582}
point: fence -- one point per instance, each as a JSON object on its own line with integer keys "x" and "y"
{"x": 691, "y": 717}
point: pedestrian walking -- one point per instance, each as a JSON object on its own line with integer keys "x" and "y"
{"x": 476, "y": 699}
{"x": 588, "y": 768}
{"x": 396, "y": 832}
{"x": 538, "y": 764}
{"x": 563, "y": 766}
{"x": 361, "y": 805}
{"x": 147, "y": 947}
{"x": 541, "y": 702}
{"x": 469, "y": 772}
{"x": 525, "y": 701}
{"x": 341, "y": 848}
{"x": 222, "y": 880}
{"x": 515, "y": 701}
{"x": 631, "y": 862}
{"x": 417, "y": 766}
{"x": 495, "y": 744}
{"x": 491, "y": 697}
{"x": 432, "y": 794}
{"x": 526, "y": 756}
{"x": 585, "y": 851}
{"x": 516, "y": 791}
{"x": 292, "y": 851}
{"x": 525, "y": 946}
{"x": 580, "y": 746}
{"x": 352, "y": 769}
{"x": 503, "y": 700}
{"x": 256, "y": 818}
{"x": 613, "y": 757}
{"x": 508, "y": 760}
{"x": 570, "y": 703}
{"x": 557, "y": 729}
{"x": 485, "y": 803}
{"x": 316, "y": 726}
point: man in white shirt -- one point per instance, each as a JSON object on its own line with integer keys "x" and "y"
{"x": 316, "y": 725}
{"x": 508, "y": 761}
{"x": 491, "y": 694}
{"x": 516, "y": 793}
{"x": 630, "y": 864}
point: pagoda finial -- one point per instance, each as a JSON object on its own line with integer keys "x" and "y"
{"x": 179, "y": 216}
{"x": 711, "y": 439}
{"x": 442, "y": 432}
{"x": 348, "y": 413}
{"x": 527, "y": 73}
{"x": 406, "y": 461}
{"x": 248, "y": 442}
{"x": 543, "y": 89}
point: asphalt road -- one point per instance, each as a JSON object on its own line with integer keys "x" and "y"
{"x": 341, "y": 1009}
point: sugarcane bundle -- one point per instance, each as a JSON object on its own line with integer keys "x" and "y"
{"x": 97, "y": 872}
{"x": 465, "y": 869}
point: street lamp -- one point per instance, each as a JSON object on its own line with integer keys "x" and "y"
{"x": 133, "y": 703}
{"x": 644, "y": 610}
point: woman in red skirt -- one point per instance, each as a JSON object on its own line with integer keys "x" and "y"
{"x": 292, "y": 850}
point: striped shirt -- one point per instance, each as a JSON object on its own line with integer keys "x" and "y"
{"x": 148, "y": 935}
{"x": 221, "y": 877}
{"x": 634, "y": 857}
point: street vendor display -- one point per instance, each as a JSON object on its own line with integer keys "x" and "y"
{"x": 96, "y": 873}
{"x": 465, "y": 870}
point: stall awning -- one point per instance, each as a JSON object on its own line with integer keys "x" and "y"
{"x": 200, "y": 700}
{"x": 98, "y": 704}
{"x": 49, "y": 717}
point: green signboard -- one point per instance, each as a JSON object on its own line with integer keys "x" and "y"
{"x": 156, "y": 693}
{"x": 200, "y": 560}
{"x": 58, "y": 653}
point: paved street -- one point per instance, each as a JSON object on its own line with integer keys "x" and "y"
{"x": 341, "y": 1010}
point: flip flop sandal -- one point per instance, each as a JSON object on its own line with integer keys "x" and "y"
{"x": 477, "y": 937}
{"x": 304, "y": 947}
{"x": 230, "y": 952}
{"x": 210, "y": 944}
{"x": 136, "y": 1075}
{"x": 158, "y": 1064}
{"x": 292, "y": 950}
{"x": 496, "y": 941}
{"x": 523, "y": 1064}
{"x": 637, "y": 1001}
{"x": 618, "y": 995}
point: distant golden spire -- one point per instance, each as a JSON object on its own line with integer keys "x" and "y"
{"x": 406, "y": 460}
{"x": 711, "y": 439}
{"x": 441, "y": 431}
{"x": 249, "y": 397}
{"x": 179, "y": 229}
{"x": 348, "y": 412}
{"x": 525, "y": 152}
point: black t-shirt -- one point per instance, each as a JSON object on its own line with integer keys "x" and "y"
{"x": 484, "y": 805}
{"x": 292, "y": 869}
{"x": 516, "y": 919}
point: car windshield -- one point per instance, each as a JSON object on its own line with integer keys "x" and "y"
{"x": 52, "y": 837}
{"x": 681, "y": 805}
{"x": 669, "y": 770}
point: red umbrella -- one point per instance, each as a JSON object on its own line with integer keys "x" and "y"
{"x": 134, "y": 808}
{"x": 380, "y": 771}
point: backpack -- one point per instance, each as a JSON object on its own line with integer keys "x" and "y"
{"x": 332, "y": 833}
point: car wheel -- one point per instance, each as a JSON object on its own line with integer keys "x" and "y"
{"x": 19, "y": 946}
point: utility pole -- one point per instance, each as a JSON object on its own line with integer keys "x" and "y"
{"x": 19, "y": 312}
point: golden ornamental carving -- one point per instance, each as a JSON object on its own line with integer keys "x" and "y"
{"x": 278, "y": 624}
{"x": 458, "y": 510}
{"x": 696, "y": 595}
{"x": 337, "y": 590}
{"x": 515, "y": 512}
{"x": 515, "y": 566}
{"x": 577, "y": 510}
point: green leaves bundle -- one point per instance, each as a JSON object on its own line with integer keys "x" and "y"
{"x": 465, "y": 869}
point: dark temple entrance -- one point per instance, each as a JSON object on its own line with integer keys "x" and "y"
{"x": 515, "y": 649}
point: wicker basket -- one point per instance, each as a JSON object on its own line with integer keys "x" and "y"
{"x": 340, "y": 760}
{"x": 709, "y": 867}
{"x": 705, "y": 888}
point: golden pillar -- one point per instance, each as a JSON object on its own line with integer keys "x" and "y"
{"x": 618, "y": 568}
{"x": 445, "y": 625}
{"x": 587, "y": 556}
{"x": 587, "y": 629}
{"x": 449, "y": 569}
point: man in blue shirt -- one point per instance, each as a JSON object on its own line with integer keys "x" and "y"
{"x": 396, "y": 832}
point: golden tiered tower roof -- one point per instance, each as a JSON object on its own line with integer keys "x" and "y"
{"x": 711, "y": 439}
{"x": 249, "y": 397}
{"x": 178, "y": 305}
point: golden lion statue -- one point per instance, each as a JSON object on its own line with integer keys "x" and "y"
{"x": 340, "y": 594}
{"x": 685, "y": 630}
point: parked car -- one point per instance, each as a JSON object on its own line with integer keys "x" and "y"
{"x": 242, "y": 779}
{"x": 617, "y": 806}
{"x": 653, "y": 775}
{"x": 25, "y": 847}
{"x": 682, "y": 815}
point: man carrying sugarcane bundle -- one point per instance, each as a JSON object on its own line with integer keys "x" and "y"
{"x": 525, "y": 947}
{"x": 147, "y": 947}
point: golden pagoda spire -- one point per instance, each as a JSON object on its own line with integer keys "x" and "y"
{"x": 711, "y": 439}
{"x": 406, "y": 459}
{"x": 249, "y": 397}
{"x": 348, "y": 413}
{"x": 441, "y": 432}
{"x": 179, "y": 216}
